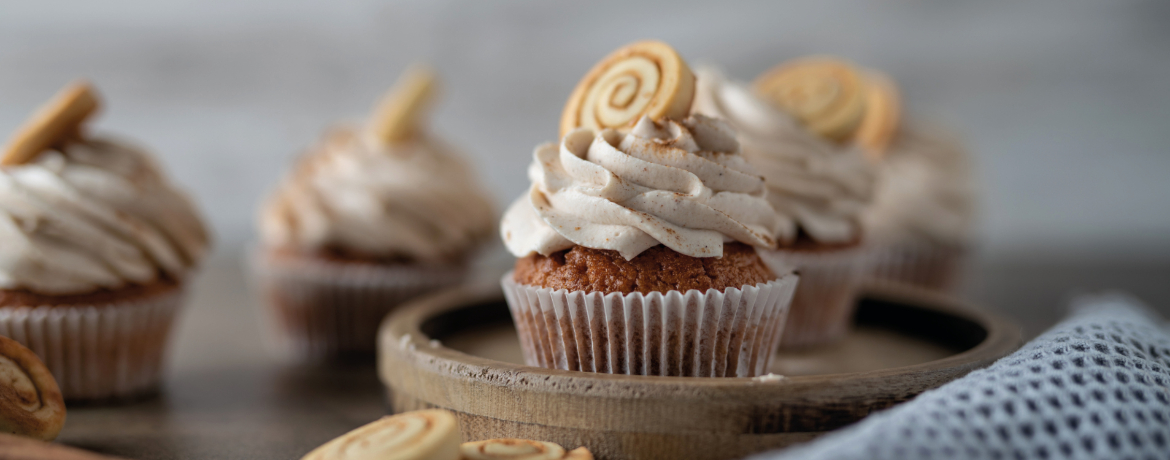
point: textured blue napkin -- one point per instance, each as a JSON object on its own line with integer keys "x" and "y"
{"x": 1095, "y": 386}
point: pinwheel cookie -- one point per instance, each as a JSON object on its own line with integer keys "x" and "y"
{"x": 520, "y": 449}
{"x": 377, "y": 213}
{"x": 31, "y": 404}
{"x": 96, "y": 246}
{"x": 637, "y": 238}
{"x": 420, "y": 435}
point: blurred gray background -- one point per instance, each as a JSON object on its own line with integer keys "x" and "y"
{"x": 1065, "y": 103}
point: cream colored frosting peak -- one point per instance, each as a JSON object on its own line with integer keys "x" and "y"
{"x": 416, "y": 199}
{"x": 818, "y": 188}
{"x": 679, "y": 184}
{"x": 927, "y": 190}
{"x": 95, "y": 214}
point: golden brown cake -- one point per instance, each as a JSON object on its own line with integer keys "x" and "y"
{"x": 131, "y": 293}
{"x": 658, "y": 269}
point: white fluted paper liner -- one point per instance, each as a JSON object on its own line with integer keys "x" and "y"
{"x": 98, "y": 351}
{"x": 923, "y": 264}
{"x": 324, "y": 309}
{"x": 822, "y": 308}
{"x": 713, "y": 334}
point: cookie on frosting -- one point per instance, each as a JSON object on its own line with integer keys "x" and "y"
{"x": 835, "y": 99}
{"x": 30, "y": 402}
{"x": 59, "y": 118}
{"x": 401, "y": 112}
{"x": 646, "y": 78}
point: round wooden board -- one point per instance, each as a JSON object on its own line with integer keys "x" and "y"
{"x": 457, "y": 351}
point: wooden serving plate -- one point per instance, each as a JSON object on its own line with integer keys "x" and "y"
{"x": 458, "y": 351}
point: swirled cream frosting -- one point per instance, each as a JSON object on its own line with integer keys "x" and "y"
{"x": 416, "y": 200}
{"x": 94, "y": 214}
{"x": 682, "y": 184}
{"x": 818, "y": 188}
{"x": 926, "y": 190}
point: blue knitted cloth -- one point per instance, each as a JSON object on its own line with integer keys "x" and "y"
{"x": 1095, "y": 386}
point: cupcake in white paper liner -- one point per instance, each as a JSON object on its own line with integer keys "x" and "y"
{"x": 924, "y": 213}
{"x": 96, "y": 246}
{"x": 822, "y": 308}
{"x": 326, "y": 309}
{"x": 637, "y": 241}
{"x": 729, "y": 333}
{"x": 98, "y": 351}
{"x": 818, "y": 175}
{"x": 376, "y": 213}
{"x": 925, "y": 265}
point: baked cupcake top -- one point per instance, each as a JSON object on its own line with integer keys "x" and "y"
{"x": 818, "y": 185}
{"x": 386, "y": 191}
{"x": 927, "y": 190}
{"x": 633, "y": 172}
{"x": 80, "y": 213}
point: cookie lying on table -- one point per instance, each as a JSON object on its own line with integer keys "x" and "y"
{"x": 30, "y": 401}
{"x": 432, "y": 435}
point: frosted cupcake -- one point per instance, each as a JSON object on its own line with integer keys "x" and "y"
{"x": 922, "y": 218}
{"x": 799, "y": 129}
{"x": 637, "y": 239}
{"x": 96, "y": 247}
{"x": 372, "y": 216}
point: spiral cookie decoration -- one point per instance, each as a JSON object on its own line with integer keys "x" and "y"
{"x": 882, "y": 114}
{"x": 644, "y": 78}
{"x": 520, "y": 449}
{"x": 58, "y": 119}
{"x": 834, "y": 99}
{"x": 420, "y": 435}
{"x": 30, "y": 401}
{"x": 402, "y": 110}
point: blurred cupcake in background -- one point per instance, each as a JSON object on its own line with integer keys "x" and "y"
{"x": 800, "y": 127}
{"x": 96, "y": 248}
{"x": 372, "y": 216}
{"x": 637, "y": 240}
{"x": 922, "y": 219}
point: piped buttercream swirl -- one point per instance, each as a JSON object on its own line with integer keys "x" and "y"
{"x": 681, "y": 184}
{"x": 94, "y": 214}
{"x": 926, "y": 190}
{"x": 417, "y": 200}
{"x": 817, "y": 187}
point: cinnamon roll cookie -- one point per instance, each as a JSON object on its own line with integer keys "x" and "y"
{"x": 30, "y": 402}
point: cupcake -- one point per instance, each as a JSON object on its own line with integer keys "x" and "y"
{"x": 921, "y": 220}
{"x": 96, "y": 247}
{"x": 637, "y": 240}
{"x": 803, "y": 127}
{"x": 374, "y": 215}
